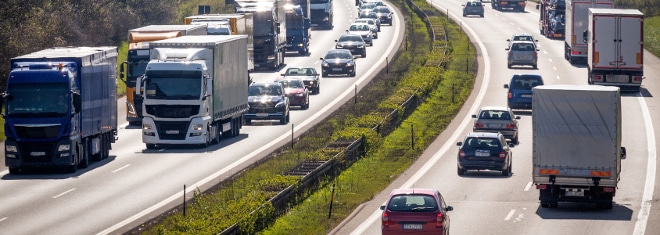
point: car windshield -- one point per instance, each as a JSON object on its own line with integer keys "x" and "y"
{"x": 475, "y": 142}
{"x": 359, "y": 27}
{"x": 523, "y": 38}
{"x": 264, "y": 91}
{"x": 367, "y": 6}
{"x": 495, "y": 114}
{"x": 412, "y": 203}
{"x": 382, "y": 10}
{"x": 365, "y": 21}
{"x": 291, "y": 83}
{"x": 525, "y": 82}
{"x": 350, "y": 38}
{"x": 337, "y": 55}
{"x": 300, "y": 71}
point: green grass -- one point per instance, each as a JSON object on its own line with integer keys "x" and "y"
{"x": 652, "y": 35}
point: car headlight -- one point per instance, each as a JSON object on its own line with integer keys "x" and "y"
{"x": 350, "y": 64}
{"x": 280, "y": 104}
{"x": 360, "y": 46}
{"x": 11, "y": 148}
{"x": 63, "y": 147}
{"x": 325, "y": 64}
{"x": 339, "y": 46}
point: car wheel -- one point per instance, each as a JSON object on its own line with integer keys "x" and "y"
{"x": 317, "y": 90}
{"x": 324, "y": 74}
{"x": 508, "y": 66}
{"x": 534, "y": 66}
{"x": 460, "y": 171}
{"x": 14, "y": 170}
{"x": 482, "y": 15}
{"x": 463, "y": 14}
{"x": 507, "y": 171}
{"x": 353, "y": 73}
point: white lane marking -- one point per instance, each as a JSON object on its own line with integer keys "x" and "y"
{"x": 3, "y": 219}
{"x": 315, "y": 116}
{"x": 62, "y": 194}
{"x": 550, "y": 61}
{"x": 452, "y": 139}
{"x": 528, "y": 186}
{"x": 121, "y": 168}
{"x": 643, "y": 216}
{"x": 508, "y": 216}
{"x": 555, "y": 68}
{"x": 558, "y": 77}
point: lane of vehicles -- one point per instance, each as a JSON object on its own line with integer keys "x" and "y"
{"x": 138, "y": 56}
{"x": 576, "y": 151}
{"x": 615, "y": 42}
{"x": 60, "y": 108}
{"x": 195, "y": 90}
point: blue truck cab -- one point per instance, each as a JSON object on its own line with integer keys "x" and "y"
{"x": 298, "y": 26}
{"x": 60, "y": 108}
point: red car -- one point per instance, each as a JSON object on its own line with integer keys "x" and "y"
{"x": 296, "y": 91}
{"x": 415, "y": 211}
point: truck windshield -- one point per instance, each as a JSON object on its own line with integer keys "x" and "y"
{"x": 38, "y": 100}
{"x": 294, "y": 21}
{"x": 318, "y": 1}
{"x": 174, "y": 85}
{"x": 263, "y": 23}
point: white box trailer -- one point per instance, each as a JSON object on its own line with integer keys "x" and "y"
{"x": 575, "y": 49}
{"x": 615, "y": 38}
{"x": 195, "y": 90}
{"x": 576, "y": 143}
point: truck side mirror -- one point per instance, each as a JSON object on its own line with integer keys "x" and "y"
{"x": 139, "y": 84}
{"x": 623, "y": 152}
{"x": 2, "y": 102}
{"x": 585, "y": 36}
{"x": 122, "y": 72}
{"x": 77, "y": 101}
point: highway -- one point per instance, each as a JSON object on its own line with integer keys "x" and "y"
{"x": 487, "y": 203}
{"x": 134, "y": 184}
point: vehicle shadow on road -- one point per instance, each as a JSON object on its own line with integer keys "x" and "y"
{"x": 522, "y": 112}
{"x": 584, "y": 211}
{"x": 485, "y": 174}
{"x": 191, "y": 148}
{"x": 55, "y": 173}
{"x": 642, "y": 91}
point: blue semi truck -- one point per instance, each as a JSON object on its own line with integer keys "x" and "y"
{"x": 298, "y": 26}
{"x": 60, "y": 108}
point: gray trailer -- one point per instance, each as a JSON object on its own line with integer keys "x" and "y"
{"x": 195, "y": 90}
{"x": 575, "y": 49}
{"x": 576, "y": 143}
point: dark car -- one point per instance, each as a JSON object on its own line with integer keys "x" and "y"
{"x": 415, "y": 211}
{"x": 366, "y": 8}
{"x": 497, "y": 119}
{"x": 519, "y": 94}
{"x": 352, "y": 42}
{"x": 384, "y": 14}
{"x": 295, "y": 90}
{"x": 338, "y": 61}
{"x": 472, "y": 7}
{"x": 267, "y": 101}
{"x": 522, "y": 53}
{"x": 484, "y": 151}
{"x": 308, "y": 75}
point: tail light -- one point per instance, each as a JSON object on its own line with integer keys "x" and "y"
{"x": 385, "y": 220}
{"x": 597, "y": 77}
{"x": 503, "y": 154}
{"x": 541, "y": 186}
{"x": 510, "y": 126}
{"x": 479, "y": 125}
{"x": 510, "y": 95}
{"x": 637, "y": 78}
{"x": 575, "y": 52}
{"x": 461, "y": 153}
{"x": 609, "y": 190}
{"x": 440, "y": 220}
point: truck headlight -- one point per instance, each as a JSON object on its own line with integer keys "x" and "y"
{"x": 63, "y": 147}
{"x": 197, "y": 127}
{"x": 11, "y": 148}
{"x": 147, "y": 126}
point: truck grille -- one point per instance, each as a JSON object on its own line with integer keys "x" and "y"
{"x": 37, "y": 132}
{"x": 172, "y": 111}
{"x": 26, "y": 148}
{"x": 172, "y": 130}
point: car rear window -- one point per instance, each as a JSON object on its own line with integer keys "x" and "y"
{"x": 495, "y": 114}
{"x": 474, "y": 142}
{"x": 522, "y": 47}
{"x": 413, "y": 203}
{"x": 525, "y": 82}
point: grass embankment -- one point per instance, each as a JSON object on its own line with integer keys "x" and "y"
{"x": 414, "y": 71}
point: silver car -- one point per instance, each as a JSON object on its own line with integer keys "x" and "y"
{"x": 363, "y": 30}
{"x": 522, "y": 53}
{"x": 372, "y": 25}
{"x": 497, "y": 119}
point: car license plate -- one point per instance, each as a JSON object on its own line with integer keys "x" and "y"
{"x": 262, "y": 115}
{"x": 412, "y": 226}
{"x": 289, "y": 45}
{"x": 526, "y": 96}
{"x": 493, "y": 125}
{"x": 336, "y": 69}
{"x": 574, "y": 193}
{"x": 171, "y": 132}
{"x": 482, "y": 153}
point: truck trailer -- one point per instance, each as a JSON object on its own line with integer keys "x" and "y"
{"x": 576, "y": 150}
{"x": 575, "y": 49}
{"x": 194, "y": 90}
{"x": 138, "y": 57}
{"x": 615, "y": 40}
{"x": 269, "y": 26}
{"x": 237, "y": 23}
{"x": 552, "y": 19}
{"x": 60, "y": 108}
{"x": 298, "y": 26}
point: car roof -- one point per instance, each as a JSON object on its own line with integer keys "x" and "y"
{"x": 498, "y": 108}
{"x": 265, "y": 84}
{"x": 300, "y": 67}
{"x": 339, "y": 50}
{"x": 428, "y": 191}
{"x": 484, "y": 134}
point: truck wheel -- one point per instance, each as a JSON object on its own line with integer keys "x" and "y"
{"x": 84, "y": 157}
{"x": 237, "y": 127}
{"x": 14, "y": 170}
{"x": 134, "y": 123}
{"x": 151, "y": 146}
{"x": 248, "y": 122}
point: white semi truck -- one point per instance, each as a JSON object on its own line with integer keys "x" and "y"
{"x": 615, "y": 38}
{"x": 575, "y": 49}
{"x": 577, "y": 149}
{"x": 195, "y": 90}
